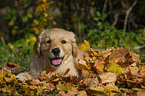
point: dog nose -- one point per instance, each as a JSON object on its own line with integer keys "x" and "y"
{"x": 56, "y": 51}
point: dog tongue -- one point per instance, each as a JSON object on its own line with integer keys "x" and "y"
{"x": 56, "y": 61}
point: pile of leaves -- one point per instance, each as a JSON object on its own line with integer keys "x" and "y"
{"x": 114, "y": 71}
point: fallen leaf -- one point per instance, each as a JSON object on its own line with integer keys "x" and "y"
{"x": 114, "y": 68}
{"x": 90, "y": 81}
{"x": 96, "y": 88}
{"x": 99, "y": 66}
{"x": 135, "y": 57}
{"x": 35, "y": 82}
{"x": 110, "y": 89}
{"x": 12, "y": 66}
{"x": 134, "y": 70}
{"x": 82, "y": 93}
{"x": 107, "y": 77}
{"x": 88, "y": 74}
{"x": 64, "y": 87}
{"x": 82, "y": 63}
{"x": 118, "y": 54}
{"x": 85, "y": 46}
{"x": 24, "y": 76}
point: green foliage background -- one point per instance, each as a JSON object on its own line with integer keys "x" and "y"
{"x": 93, "y": 20}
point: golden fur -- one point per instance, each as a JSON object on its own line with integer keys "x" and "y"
{"x": 56, "y": 46}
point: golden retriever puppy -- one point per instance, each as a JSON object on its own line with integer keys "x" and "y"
{"x": 57, "y": 49}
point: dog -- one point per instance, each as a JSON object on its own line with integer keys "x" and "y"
{"x": 57, "y": 49}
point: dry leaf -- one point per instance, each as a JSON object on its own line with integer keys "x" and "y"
{"x": 35, "y": 82}
{"x": 90, "y": 81}
{"x": 85, "y": 46}
{"x": 114, "y": 68}
{"x": 12, "y": 66}
{"x": 64, "y": 87}
{"x": 82, "y": 93}
{"x": 118, "y": 54}
{"x": 134, "y": 70}
{"x": 82, "y": 63}
{"x": 108, "y": 77}
{"x": 24, "y": 76}
{"x": 99, "y": 66}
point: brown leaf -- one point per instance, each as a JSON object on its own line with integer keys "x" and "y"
{"x": 82, "y": 93}
{"x": 12, "y": 66}
{"x": 82, "y": 63}
{"x": 108, "y": 77}
{"x": 90, "y": 81}
{"x": 135, "y": 57}
{"x": 88, "y": 74}
{"x": 35, "y": 82}
{"x": 118, "y": 54}
{"x": 98, "y": 66}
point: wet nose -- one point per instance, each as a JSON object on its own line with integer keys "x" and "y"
{"x": 56, "y": 51}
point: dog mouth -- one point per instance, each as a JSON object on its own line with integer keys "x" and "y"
{"x": 56, "y": 61}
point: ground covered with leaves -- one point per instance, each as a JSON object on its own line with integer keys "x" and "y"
{"x": 114, "y": 71}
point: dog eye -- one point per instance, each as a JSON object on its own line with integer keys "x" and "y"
{"x": 49, "y": 41}
{"x": 63, "y": 41}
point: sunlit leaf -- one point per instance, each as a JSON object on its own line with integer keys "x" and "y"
{"x": 82, "y": 93}
{"x": 85, "y": 46}
{"x": 115, "y": 68}
{"x": 107, "y": 77}
{"x": 99, "y": 66}
{"x": 110, "y": 89}
{"x": 83, "y": 63}
{"x": 63, "y": 87}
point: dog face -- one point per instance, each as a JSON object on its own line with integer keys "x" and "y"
{"x": 56, "y": 45}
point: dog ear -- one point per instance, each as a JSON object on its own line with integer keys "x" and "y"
{"x": 74, "y": 49}
{"x": 37, "y": 48}
{"x": 76, "y": 52}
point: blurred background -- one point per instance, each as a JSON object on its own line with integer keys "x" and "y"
{"x": 104, "y": 23}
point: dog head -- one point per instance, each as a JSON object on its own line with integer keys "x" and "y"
{"x": 56, "y": 44}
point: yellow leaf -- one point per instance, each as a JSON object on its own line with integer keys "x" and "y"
{"x": 82, "y": 93}
{"x": 63, "y": 87}
{"x": 115, "y": 68}
{"x": 44, "y": 1}
{"x": 39, "y": 90}
{"x": 36, "y": 21}
{"x": 85, "y": 46}
{"x": 142, "y": 71}
{"x": 45, "y": 14}
{"x": 83, "y": 63}
{"x": 95, "y": 53}
{"x": 11, "y": 46}
{"x": 50, "y": 18}
{"x": 110, "y": 89}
